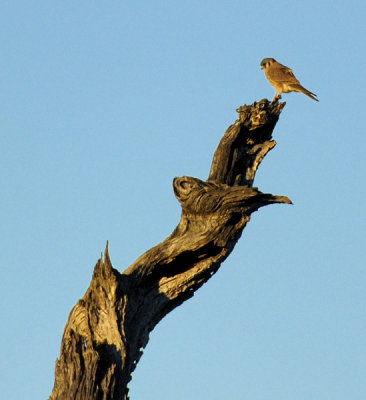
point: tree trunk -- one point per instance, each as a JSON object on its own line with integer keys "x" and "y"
{"x": 109, "y": 326}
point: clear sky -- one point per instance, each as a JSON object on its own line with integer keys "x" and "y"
{"x": 102, "y": 105}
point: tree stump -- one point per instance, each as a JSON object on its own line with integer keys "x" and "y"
{"x": 109, "y": 326}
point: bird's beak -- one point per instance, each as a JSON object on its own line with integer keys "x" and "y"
{"x": 262, "y": 67}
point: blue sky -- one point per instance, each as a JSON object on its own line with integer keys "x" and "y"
{"x": 102, "y": 105}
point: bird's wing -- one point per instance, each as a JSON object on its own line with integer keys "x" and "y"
{"x": 280, "y": 73}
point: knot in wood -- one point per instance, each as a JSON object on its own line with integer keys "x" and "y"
{"x": 196, "y": 196}
{"x": 202, "y": 198}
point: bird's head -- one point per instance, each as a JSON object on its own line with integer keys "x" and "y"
{"x": 266, "y": 62}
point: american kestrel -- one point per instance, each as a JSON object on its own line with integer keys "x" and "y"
{"x": 282, "y": 79}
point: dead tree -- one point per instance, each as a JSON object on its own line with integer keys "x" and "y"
{"x": 109, "y": 326}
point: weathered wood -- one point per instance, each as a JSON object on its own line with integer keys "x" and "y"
{"x": 109, "y": 326}
{"x": 245, "y": 143}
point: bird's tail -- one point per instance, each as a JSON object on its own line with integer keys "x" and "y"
{"x": 299, "y": 88}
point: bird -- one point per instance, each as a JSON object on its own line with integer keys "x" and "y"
{"x": 282, "y": 79}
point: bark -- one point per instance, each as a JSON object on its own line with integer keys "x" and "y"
{"x": 108, "y": 328}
